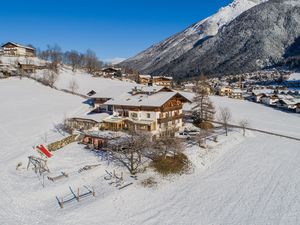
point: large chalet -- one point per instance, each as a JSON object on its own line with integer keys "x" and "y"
{"x": 157, "y": 110}
{"x": 13, "y": 49}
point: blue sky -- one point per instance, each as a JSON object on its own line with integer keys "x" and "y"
{"x": 112, "y": 28}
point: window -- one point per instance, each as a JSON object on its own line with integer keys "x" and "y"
{"x": 134, "y": 115}
{"x": 148, "y": 115}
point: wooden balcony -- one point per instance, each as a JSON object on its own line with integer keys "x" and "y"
{"x": 167, "y": 109}
{"x": 170, "y": 118}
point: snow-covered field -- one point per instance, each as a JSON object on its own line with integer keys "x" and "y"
{"x": 251, "y": 180}
{"x": 294, "y": 76}
{"x": 104, "y": 87}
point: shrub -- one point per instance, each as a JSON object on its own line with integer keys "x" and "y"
{"x": 206, "y": 125}
{"x": 177, "y": 164}
{"x": 149, "y": 182}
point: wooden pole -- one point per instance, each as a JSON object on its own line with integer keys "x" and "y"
{"x": 78, "y": 194}
{"x": 93, "y": 191}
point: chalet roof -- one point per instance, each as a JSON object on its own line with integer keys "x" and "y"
{"x": 237, "y": 91}
{"x": 145, "y": 76}
{"x": 17, "y": 45}
{"x": 262, "y": 91}
{"x": 146, "y": 100}
{"x": 162, "y": 77}
{"x": 290, "y": 101}
{"x": 111, "y": 69}
{"x": 96, "y": 117}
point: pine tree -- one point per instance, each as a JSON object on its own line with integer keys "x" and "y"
{"x": 204, "y": 109}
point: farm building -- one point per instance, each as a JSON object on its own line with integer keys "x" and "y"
{"x": 13, "y": 49}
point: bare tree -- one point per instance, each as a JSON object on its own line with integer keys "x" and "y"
{"x": 164, "y": 146}
{"x": 92, "y": 64}
{"x": 204, "y": 110}
{"x": 55, "y": 56}
{"x": 244, "y": 124}
{"x": 73, "y": 85}
{"x": 74, "y": 59}
{"x": 224, "y": 118}
{"x": 49, "y": 78}
{"x": 129, "y": 150}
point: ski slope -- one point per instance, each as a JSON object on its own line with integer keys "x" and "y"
{"x": 245, "y": 180}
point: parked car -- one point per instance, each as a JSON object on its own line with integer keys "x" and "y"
{"x": 183, "y": 134}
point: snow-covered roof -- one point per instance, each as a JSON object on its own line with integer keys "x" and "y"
{"x": 237, "y": 91}
{"x": 18, "y": 45}
{"x": 263, "y": 91}
{"x": 97, "y": 117}
{"x": 157, "y": 77}
{"x": 152, "y": 100}
{"x": 145, "y": 76}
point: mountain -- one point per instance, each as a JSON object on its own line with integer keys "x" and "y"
{"x": 264, "y": 36}
{"x": 172, "y": 48}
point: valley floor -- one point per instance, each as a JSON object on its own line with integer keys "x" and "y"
{"x": 251, "y": 180}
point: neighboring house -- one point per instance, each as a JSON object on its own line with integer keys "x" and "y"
{"x": 144, "y": 79}
{"x": 110, "y": 71}
{"x": 162, "y": 81}
{"x": 155, "y": 80}
{"x": 157, "y": 110}
{"x": 225, "y": 91}
{"x": 13, "y": 49}
{"x": 189, "y": 87}
{"x": 287, "y": 104}
{"x": 236, "y": 93}
{"x": 257, "y": 94}
{"x": 270, "y": 99}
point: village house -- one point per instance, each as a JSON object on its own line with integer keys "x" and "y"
{"x": 155, "y": 80}
{"x": 144, "y": 79}
{"x": 236, "y": 93}
{"x": 190, "y": 87}
{"x": 13, "y": 49}
{"x": 110, "y": 71}
{"x": 257, "y": 94}
{"x": 157, "y": 110}
{"x": 225, "y": 91}
{"x": 287, "y": 104}
{"x": 162, "y": 81}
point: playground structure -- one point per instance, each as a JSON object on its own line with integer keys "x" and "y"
{"x": 72, "y": 196}
{"x": 39, "y": 164}
{"x": 59, "y": 177}
{"x": 118, "y": 181}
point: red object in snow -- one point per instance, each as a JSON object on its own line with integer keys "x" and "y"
{"x": 45, "y": 151}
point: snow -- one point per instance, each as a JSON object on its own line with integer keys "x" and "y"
{"x": 238, "y": 180}
{"x": 260, "y": 117}
{"x": 294, "y": 76}
{"x": 86, "y": 83}
{"x": 225, "y": 15}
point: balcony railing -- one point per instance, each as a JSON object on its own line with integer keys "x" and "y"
{"x": 172, "y": 108}
{"x": 170, "y": 118}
